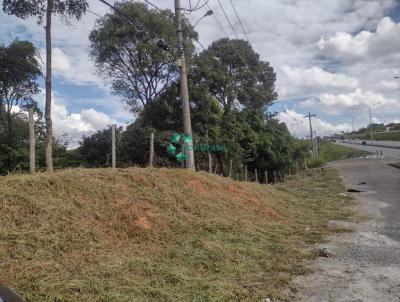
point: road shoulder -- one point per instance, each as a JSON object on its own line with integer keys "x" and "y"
{"x": 363, "y": 265}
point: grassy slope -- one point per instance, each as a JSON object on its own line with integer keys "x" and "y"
{"x": 331, "y": 152}
{"x": 394, "y": 136}
{"x": 159, "y": 235}
{"x": 390, "y": 136}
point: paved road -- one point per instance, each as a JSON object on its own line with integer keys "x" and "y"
{"x": 387, "y": 152}
{"x": 365, "y": 265}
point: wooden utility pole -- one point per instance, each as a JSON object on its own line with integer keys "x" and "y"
{"x": 311, "y": 133}
{"x": 187, "y": 124}
{"x": 113, "y": 152}
{"x": 151, "y": 160}
{"x": 47, "y": 109}
{"x": 32, "y": 141}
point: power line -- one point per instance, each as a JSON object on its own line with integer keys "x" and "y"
{"x": 196, "y": 8}
{"x": 219, "y": 23}
{"x": 229, "y": 21}
{"x": 153, "y": 5}
{"x": 201, "y": 45}
{"x": 93, "y": 13}
{"x": 240, "y": 21}
{"x": 233, "y": 29}
{"x": 118, "y": 11}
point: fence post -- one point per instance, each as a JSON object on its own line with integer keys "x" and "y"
{"x": 256, "y": 175}
{"x": 209, "y": 163}
{"x": 230, "y": 168}
{"x": 113, "y": 152}
{"x": 32, "y": 141}
{"x": 266, "y": 176}
{"x": 245, "y": 173}
{"x": 151, "y": 160}
{"x": 275, "y": 178}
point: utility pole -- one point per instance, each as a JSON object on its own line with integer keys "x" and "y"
{"x": 113, "y": 153}
{"x": 31, "y": 141}
{"x": 187, "y": 125}
{"x": 370, "y": 122}
{"x": 311, "y": 133}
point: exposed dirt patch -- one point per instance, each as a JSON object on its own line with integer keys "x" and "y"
{"x": 143, "y": 223}
{"x": 199, "y": 187}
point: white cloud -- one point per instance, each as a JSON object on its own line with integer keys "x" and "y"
{"x": 314, "y": 79}
{"x": 359, "y": 98}
{"x": 299, "y": 126}
{"x": 287, "y": 33}
{"x": 60, "y": 61}
{"x": 385, "y": 41}
{"x": 75, "y": 124}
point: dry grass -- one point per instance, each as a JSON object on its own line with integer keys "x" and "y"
{"x": 159, "y": 235}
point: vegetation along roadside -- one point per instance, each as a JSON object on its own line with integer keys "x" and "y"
{"x": 160, "y": 235}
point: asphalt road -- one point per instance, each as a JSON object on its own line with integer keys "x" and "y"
{"x": 365, "y": 263}
{"x": 380, "y": 183}
{"x": 388, "y": 153}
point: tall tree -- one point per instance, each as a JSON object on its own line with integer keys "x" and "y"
{"x": 235, "y": 75}
{"x": 19, "y": 70}
{"x": 134, "y": 52}
{"x": 40, "y": 9}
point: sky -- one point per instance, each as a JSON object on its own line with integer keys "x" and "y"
{"x": 333, "y": 58}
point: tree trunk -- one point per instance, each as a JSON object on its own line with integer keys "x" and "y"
{"x": 49, "y": 124}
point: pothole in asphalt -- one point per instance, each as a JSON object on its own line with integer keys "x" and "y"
{"x": 354, "y": 191}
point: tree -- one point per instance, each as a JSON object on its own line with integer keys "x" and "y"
{"x": 235, "y": 75}
{"x": 40, "y": 9}
{"x": 128, "y": 55}
{"x": 19, "y": 70}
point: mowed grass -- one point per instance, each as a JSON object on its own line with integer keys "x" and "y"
{"x": 160, "y": 235}
{"x": 331, "y": 152}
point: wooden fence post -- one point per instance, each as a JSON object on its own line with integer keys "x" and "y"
{"x": 256, "y": 175}
{"x": 32, "y": 141}
{"x": 113, "y": 152}
{"x": 275, "y": 178}
{"x": 245, "y": 173}
{"x": 230, "y": 168}
{"x": 151, "y": 160}
{"x": 266, "y": 176}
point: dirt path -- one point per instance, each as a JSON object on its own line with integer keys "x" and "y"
{"x": 364, "y": 265}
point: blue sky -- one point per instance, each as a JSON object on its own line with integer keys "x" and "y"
{"x": 332, "y": 57}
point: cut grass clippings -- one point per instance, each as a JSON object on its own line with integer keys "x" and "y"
{"x": 160, "y": 235}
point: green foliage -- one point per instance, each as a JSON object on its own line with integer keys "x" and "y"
{"x": 37, "y": 8}
{"x": 19, "y": 70}
{"x": 127, "y": 55}
{"x": 234, "y": 74}
{"x": 330, "y": 152}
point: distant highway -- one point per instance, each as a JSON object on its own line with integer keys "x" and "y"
{"x": 389, "y": 153}
{"x": 389, "y": 144}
